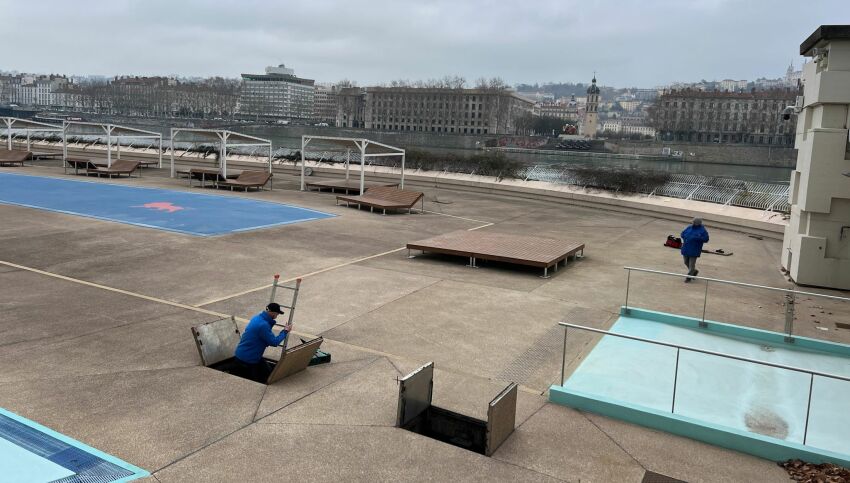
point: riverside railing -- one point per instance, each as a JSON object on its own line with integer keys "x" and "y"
{"x": 724, "y": 191}
{"x": 680, "y": 348}
{"x": 789, "y": 299}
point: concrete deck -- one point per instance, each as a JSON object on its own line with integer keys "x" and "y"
{"x": 95, "y": 320}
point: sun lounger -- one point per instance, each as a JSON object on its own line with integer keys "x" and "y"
{"x": 46, "y": 155}
{"x": 205, "y": 174}
{"x": 118, "y": 168}
{"x": 247, "y": 179}
{"x": 80, "y": 164}
{"x": 385, "y": 198}
{"x": 147, "y": 163}
{"x": 14, "y": 156}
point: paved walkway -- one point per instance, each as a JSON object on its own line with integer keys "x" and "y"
{"x": 95, "y": 319}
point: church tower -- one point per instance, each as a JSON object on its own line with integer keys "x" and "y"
{"x": 591, "y": 115}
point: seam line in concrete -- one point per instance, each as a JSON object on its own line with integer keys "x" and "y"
{"x": 323, "y": 270}
{"x": 217, "y": 314}
{"x": 251, "y": 423}
{"x": 292, "y": 279}
{"x": 323, "y": 387}
{"x": 113, "y": 289}
{"x": 612, "y": 439}
{"x": 382, "y": 306}
{"x": 455, "y": 216}
{"x": 260, "y": 403}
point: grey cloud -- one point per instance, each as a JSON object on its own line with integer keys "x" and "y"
{"x": 628, "y": 42}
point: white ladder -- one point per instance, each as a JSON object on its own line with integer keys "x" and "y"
{"x": 275, "y": 285}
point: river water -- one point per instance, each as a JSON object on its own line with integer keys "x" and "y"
{"x": 747, "y": 173}
{"x": 282, "y": 137}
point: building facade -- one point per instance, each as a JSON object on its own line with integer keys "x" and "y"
{"x": 591, "y": 114}
{"x": 627, "y": 127}
{"x": 566, "y": 111}
{"x": 733, "y": 85}
{"x": 277, "y": 94}
{"x": 439, "y": 110}
{"x": 753, "y": 117}
{"x": 325, "y": 103}
{"x": 33, "y": 90}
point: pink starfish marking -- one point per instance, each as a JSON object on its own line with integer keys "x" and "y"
{"x": 162, "y": 206}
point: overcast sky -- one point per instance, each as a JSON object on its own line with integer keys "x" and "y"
{"x": 629, "y": 43}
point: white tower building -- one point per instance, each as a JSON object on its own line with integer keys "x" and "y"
{"x": 816, "y": 248}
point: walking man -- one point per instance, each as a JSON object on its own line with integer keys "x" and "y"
{"x": 257, "y": 336}
{"x": 693, "y": 238}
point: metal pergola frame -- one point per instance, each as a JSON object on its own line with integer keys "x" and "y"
{"x": 111, "y": 131}
{"x": 362, "y": 146}
{"x": 28, "y": 126}
{"x": 223, "y": 138}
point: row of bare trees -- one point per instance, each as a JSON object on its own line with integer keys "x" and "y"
{"x": 450, "y": 82}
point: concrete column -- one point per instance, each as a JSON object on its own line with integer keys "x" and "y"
{"x": 816, "y": 247}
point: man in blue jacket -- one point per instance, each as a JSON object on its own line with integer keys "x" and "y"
{"x": 257, "y": 336}
{"x": 692, "y": 239}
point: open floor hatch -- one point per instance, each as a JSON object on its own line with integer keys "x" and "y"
{"x": 417, "y": 414}
{"x": 217, "y": 340}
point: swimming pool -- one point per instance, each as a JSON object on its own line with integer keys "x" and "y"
{"x": 30, "y": 452}
{"x": 666, "y": 388}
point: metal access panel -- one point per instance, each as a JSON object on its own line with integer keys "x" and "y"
{"x": 501, "y": 418}
{"x": 414, "y": 394}
{"x": 294, "y": 360}
{"x": 216, "y": 340}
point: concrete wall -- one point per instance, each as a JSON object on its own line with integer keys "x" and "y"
{"x": 781, "y": 157}
{"x": 401, "y": 139}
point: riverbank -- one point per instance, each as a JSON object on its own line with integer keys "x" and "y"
{"x": 752, "y": 221}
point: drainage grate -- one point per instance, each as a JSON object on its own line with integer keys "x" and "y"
{"x": 89, "y": 468}
{"x": 545, "y": 348}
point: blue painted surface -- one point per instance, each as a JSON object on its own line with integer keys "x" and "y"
{"x": 48, "y": 452}
{"x": 189, "y": 213}
{"x": 756, "y": 444}
{"x": 739, "y": 396}
{"x": 17, "y": 465}
{"x": 723, "y": 329}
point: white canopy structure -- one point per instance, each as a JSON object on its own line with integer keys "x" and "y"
{"x": 14, "y": 123}
{"x": 111, "y": 131}
{"x": 366, "y": 147}
{"x": 221, "y": 137}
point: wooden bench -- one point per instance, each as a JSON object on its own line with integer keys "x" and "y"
{"x": 385, "y": 198}
{"x": 247, "y": 179}
{"x": 118, "y": 168}
{"x": 14, "y": 156}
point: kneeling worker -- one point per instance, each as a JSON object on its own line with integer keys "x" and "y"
{"x": 257, "y": 336}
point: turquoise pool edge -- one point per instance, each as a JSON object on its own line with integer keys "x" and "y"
{"x": 138, "y": 472}
{"x": 721, "y": 328}
{"x": 755, "y": 444}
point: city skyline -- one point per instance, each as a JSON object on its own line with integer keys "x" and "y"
{"x": 374, "y": 44}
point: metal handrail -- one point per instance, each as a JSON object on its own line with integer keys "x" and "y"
{"x": 789, "y": 295}
{"x": 679, "y": 348}
{"x": 743, "y": 284}
{"x": 705, "y": 351}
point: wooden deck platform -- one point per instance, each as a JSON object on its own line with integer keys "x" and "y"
{"x": 517, "y": 249}
{"x": 343, "y": 185}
